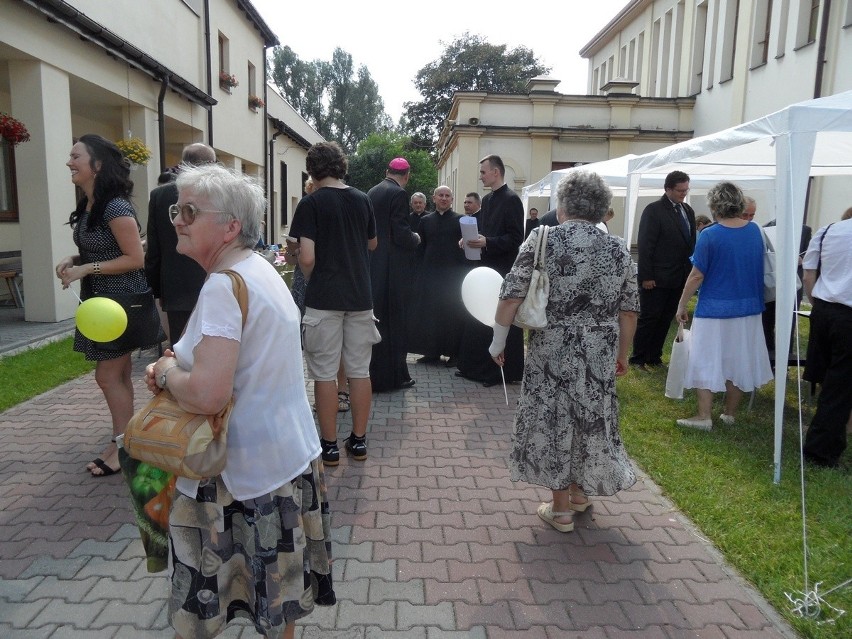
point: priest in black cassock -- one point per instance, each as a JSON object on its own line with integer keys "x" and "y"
{"x": 438, "y": 317}
{"x": 390, "y": 267}
{"x": 501, "y": 231}
{"x": 418, "y": 210}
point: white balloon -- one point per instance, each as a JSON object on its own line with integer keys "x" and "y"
{"x": 480, "y": 293}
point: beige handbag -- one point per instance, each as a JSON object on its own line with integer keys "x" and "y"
{"x": 186, "y": 444}
{"x": 531, "y": 313}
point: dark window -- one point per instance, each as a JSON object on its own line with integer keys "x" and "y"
{"x": 8, "y": 190}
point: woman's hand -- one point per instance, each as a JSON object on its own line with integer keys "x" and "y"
{"x": 621, "y": 367}
{"x": 74, "y": 273}
{"x": 500, "y": 359}
{"x": 682, "y": 314}
{"x": 64, "y": 265}
{"x": 153, "y": 371}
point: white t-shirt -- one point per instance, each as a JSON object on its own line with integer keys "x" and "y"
{"x": 835, "y": 281}
{"x": 271, "y": 433}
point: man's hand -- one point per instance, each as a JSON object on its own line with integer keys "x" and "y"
{"x": 479, "y": 242}
{"x": 649, "y": 284}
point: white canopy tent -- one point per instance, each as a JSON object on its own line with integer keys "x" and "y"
{"x": 812, "y": 138}
{"x": 615, "y": 173}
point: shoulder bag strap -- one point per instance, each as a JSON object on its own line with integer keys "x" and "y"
{"x": 821, "y": 240}
{"x": 238, "y": 284}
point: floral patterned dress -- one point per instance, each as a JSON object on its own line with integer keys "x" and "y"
{"x": 566, "y": 428}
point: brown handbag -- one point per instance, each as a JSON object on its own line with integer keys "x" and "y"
{"x": 186, "y": 444}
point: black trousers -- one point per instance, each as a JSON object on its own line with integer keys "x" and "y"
{"x": 829, "y": 364}
{"x": 657, "y": 310}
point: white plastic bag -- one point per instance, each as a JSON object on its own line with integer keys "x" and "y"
{"x": 677, "y": 365}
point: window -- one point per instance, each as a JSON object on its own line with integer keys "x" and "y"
{"x": 698, "y": 47}
{"x": 226, "y": 80}
{"x": 808, "y": 23}
{"x": 781, "y": 41}
{"x": 760, "y": 37}
{"x": 729, "y": 39}
{"x": 8, "y": 192}
{"x": 252, "y": 79}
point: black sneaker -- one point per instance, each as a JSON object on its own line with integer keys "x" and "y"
{"x": 330, "y": 453}
{"x": 356, "y": 446}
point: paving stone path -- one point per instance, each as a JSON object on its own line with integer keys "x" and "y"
{"x": 432, "y": 539}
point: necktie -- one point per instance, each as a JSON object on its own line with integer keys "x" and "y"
{"x": 684, "y": 222}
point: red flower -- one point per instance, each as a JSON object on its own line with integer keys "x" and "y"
{"x": 12, "y": 130}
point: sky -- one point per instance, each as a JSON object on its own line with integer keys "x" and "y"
{"x": 413, "y": 35}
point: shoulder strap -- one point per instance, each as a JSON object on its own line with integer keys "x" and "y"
{"x": 821, "y": 240}
{"x": 543, "y": 247}
{"x": 240, "y": 289}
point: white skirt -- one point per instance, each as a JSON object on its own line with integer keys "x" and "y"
{"x": 723, "y": 350}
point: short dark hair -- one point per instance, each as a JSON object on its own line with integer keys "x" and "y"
{"x": 474, "y": 195}
{"x": 326, "y": 159}
{"x": 495, "y": 161}
{"x": 674, "y": 178}
{"x": 533, "y": 209}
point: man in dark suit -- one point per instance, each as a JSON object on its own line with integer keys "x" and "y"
{"x": 666, "y": 242}
{"x": 175, "y": 279}
{"x": 532, "y": 222}
{"x": 390, "y": 277}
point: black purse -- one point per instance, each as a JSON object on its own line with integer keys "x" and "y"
{"x": 143, "y": 322}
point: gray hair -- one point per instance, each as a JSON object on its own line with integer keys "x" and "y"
{"x": 418, "y": 195}
{"x": 584, "y": 195}
{"x": 235, "y": 193}
{"x": 726, "y": 200}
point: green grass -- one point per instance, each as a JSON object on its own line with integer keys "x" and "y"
{"x": 33, "y": 372}
{"x": 722, "y": 480}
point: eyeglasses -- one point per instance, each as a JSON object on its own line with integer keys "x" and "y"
{"x": 188, "y": 212}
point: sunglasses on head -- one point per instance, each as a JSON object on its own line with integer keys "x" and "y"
{"x": 188, "y": 212}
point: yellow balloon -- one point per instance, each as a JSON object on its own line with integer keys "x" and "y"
{"x": 101, "y": 319}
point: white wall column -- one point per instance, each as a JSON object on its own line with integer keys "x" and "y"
{"x": 41, "y": 99}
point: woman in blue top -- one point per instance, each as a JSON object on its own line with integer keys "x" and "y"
{"x": 728, "y": 351}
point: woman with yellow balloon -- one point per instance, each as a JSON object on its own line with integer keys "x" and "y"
{"x": 110, "y": 260}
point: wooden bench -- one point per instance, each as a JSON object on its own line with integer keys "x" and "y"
{"x": 10, "y": 271}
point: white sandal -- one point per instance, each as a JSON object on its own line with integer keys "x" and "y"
{"x": 546, "y": 512}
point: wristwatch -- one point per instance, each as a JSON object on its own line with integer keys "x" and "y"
{"x": 161, "y": 378}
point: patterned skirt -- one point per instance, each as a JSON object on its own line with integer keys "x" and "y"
{"x": 266, "y": 559}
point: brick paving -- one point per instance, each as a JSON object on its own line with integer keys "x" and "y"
{"x": 432, "y": 540}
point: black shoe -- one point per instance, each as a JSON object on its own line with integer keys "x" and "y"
{"x": 492, "y": 382}
{"x": 426, "y": 359}
{"x": 452, "y": 362}
{"x": 407, "y": 383}
{"x": 330, "y": 453}
{"x": 356, "y": 446}
{"x": 459, "y": 374}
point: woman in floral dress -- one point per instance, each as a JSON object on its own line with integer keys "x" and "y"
{"x": 566, "y": 434}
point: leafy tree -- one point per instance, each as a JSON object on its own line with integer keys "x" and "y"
{"x": 367, "y": 167}
{"x": 468, "y": 63}
{"x": 341, "y": 105}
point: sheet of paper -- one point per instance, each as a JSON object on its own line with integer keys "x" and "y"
{"x": 470, "y": 231}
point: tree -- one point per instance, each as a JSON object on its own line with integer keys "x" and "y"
{"x": 468, "y": 63}
{"x": 339, "y": 104}
{"x": 367, "y": 167}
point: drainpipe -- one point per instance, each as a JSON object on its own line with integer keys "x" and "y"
{"x": 270, "y": 177}
{"x": 823, "y": 37}
{"x": 207, "y": 51}
{"x": 161, "y": 121}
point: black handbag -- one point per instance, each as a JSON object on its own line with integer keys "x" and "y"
{"x": 143, "y": 322}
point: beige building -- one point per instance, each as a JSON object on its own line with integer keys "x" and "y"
{"x": 662, "y": 71}
{"x": 540, "y": 131}
{"x": 169, "y": 72}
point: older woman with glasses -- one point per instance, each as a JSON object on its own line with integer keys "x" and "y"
{"x": 253, "y": 542}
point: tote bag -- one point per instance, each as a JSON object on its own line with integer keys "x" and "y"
{"x": 531, "y": 313}
{"x": 677, "y": 365}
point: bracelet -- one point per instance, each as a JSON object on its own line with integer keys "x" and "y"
{"x": 96, "y": 268}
